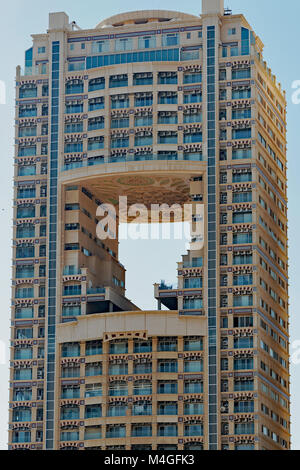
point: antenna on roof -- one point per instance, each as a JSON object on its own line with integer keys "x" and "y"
{"x": 227, "y": 11}
{"x": 74, "y": 26}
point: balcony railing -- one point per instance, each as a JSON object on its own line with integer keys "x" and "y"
{"x": 133, "y": 158}
{"x": 96, "y": 290}
{"x": 71, "y": 270}
{"x": 164, "y": 286}
{"x": 41, "y": 69}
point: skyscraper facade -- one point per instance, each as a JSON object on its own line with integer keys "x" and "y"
{"x": 158, "y": 107}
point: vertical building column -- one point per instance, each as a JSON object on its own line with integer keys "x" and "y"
{"x": 58, "y": 24}
{"x": 211, "y": 236}
{"x": 52, "y": 247}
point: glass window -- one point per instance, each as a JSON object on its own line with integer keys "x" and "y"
{"x": 234, "y": 51}
{"x": 142, "y": 367}
{"x": 117, "y": 409}
{"x": 167, "y": 344}
{"x": 92, "y": 432}
{"x": 167, "y": 117}
{"x": 71, "y": 311}
{"x": 147, "y": 42}
{"x": 143, "y": 120}
{"x": 242, "y": 177}
{"x": 143, "y": 99}
{"x": 142, "y": 408}
{"x": 93, "y": 411}
{"x": 195, "y": 408}
{"x": 143, "y": 78}
{"x": 165, "y": 97}
{"x": 93, "y": 390}
{"x": 141, "y": 430}
{"x": 118, "y": 81}
{"x": 193, "y": 386}
{"x": 192, "y": 303}
{"x": 27, "y": 111}
{"x": 193, "y": 429}
{"x": 26, "y": 170}
{"x": 70, "y": 350}
{"x": 242, "y": 217}
{"x": 192, "y": 97}
{"x": 193, "y": 344}
{"x": 93, "y": 347}
{"x": 115, "y": 431}
{"x": 242, "y": 197}
{"x": 69, "y": 436}
{"x": 22, "y": 394}
{"x": 165, "y": 137}
{"x": 95, "y": 143}
{"x": 97, "y": 84}
{"x": 73, "y": 127}
{"x": 118, "y": 369}
{"x": 142, "y": 346}
{"x": 167, "y": 408}
{"x": 23, "y": 374}
{"x": 73, "y": 107}
{"x": 167, "y": 365}
{"x": 27, "y": 151}
{"x": 21, "y": 413}
{"x": 93, "y": 369}
{"x": 244, "y": 113}
{"x": 192, "y": 77}
{"x": 171, "y": 39}
{"x": 23, "y": 352}
{"x": 96, "y": 103}
{"x": 100, "y": 46}
{"x": 123, "y": 44}
{"x": 70, "y": 391}
{"x": 118, "y": 388}
{"x": 192, "y": 116}
{"x": 241, "y": 133}
{"x": 118, "y": 347}
{"x": 21, "y": 436}
{"x": 167, "y": 78}
{"x": 69, "y": 412}
{"x": 243, "y": 342}
{"x": 119, "y": 101}
{"x": 71, "y": 370}
{"x": 27, "y": 131}
{"x": 74, "y": 86}
{"x": 117, "y": 123}
{"x": 241, "y": 93}
{"x": 243, "y": 364}
{"x": 167, "y": 387}
{"x": 244, "y": 428}
{"x": 242, "y": 300}
{"x": 193, "y": 365}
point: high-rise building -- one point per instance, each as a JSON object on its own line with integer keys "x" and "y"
{"x": 160, "y": 107}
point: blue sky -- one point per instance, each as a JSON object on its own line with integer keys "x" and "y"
{"x": 276, "y": 23}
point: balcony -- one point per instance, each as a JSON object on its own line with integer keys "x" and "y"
{"x": 96, "y": 290}
{"x": 166, "y": 295}
{"x": 41, "y": 69}
{"x": 72, "y": 290}
{"x": 71, "y": 271}
{"x": 164, "y": 286}
{"x": 133, "y": 157}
